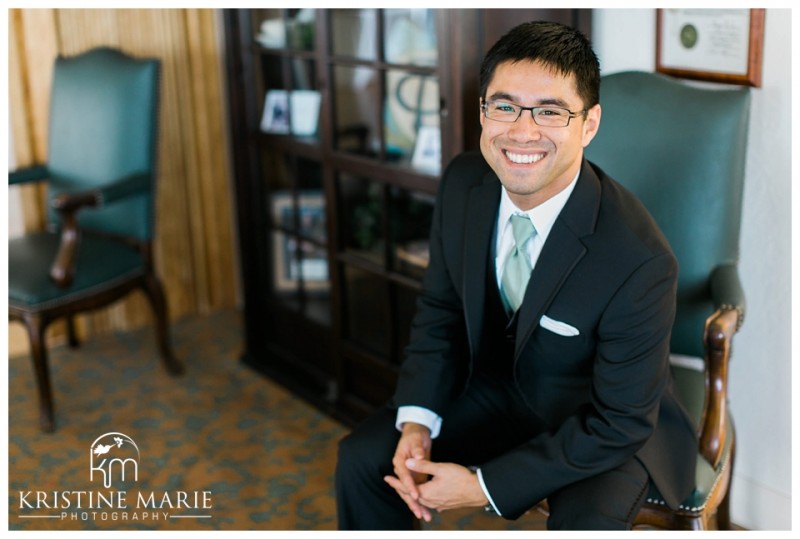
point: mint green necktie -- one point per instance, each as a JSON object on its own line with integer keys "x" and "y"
{"x": 517, "y": 270}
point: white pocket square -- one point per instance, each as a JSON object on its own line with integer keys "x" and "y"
{"x": 559, "y": 328}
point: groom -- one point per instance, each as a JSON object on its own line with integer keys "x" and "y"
{"x": 538, "y": 363}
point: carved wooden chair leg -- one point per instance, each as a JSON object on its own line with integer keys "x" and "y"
{"x": 155, "y": 294}
{"x": 72, "y": 332}
{"x": 36, "y": 326}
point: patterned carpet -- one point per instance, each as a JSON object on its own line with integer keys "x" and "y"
{"x": 221, "y": 448}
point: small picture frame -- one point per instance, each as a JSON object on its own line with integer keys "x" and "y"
{"x": 275, "y": 118}
{"x": 428, "y": 150}
{"x": 304, "y": 112}
{"x": 295, "y": 112}
{"x": 718, "y": 45}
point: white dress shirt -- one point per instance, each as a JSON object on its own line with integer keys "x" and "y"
{"x": 543, "y": 217}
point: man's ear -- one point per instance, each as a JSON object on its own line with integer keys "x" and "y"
{"x": 591, "y": 124}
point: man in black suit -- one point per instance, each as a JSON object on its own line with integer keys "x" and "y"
{"x": 538, "y": 365}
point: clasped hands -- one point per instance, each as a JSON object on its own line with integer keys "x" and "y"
{"x": 424, "y": 485}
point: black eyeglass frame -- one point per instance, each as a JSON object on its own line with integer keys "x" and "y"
{"x": 572, "y": 114}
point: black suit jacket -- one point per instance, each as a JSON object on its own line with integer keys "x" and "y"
{"x": 605, "y": 394}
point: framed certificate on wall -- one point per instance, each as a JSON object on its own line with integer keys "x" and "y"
{"x": 719, "y": 45}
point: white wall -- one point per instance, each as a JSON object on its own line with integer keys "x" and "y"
{"x": 760, "y": 377}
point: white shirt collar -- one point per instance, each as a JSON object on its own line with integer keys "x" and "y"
{"x": 542, "y": 216}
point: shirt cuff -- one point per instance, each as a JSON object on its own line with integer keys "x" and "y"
{"x": 486, "y": 491}
{"x": 420, "y": 415}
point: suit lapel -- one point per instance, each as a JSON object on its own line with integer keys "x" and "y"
{"x": 561, "y": 253}
{"x": 482, "y": 206}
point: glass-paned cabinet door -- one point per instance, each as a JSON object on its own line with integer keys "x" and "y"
{"x": 300, "y": 279}
{"x": 278, "y": 172}
{"x": 411, "y": 119}
{"x": 310, "y": 200}
{"x": 284, "y": 28}
{"x": 301, "y": 28}
{"x": 410, "y": 37}
{"x": 356, "y": 122}
{"x": 286, "y": 284}
{"x": 300, "y": 276}
{"x": 411, "y": 103}
{"x": 354, "y": 33}
{"x": 411, "y": 214}
{"x": 385, "y": 75}
{"x": 288, "y": 71}
{"x": 315, "y": 277}
{"x": 296, "y": 204}
{"x": 361, "y": 217}
{"x": 295, "y": 197}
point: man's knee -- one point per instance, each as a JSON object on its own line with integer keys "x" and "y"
{"x": 353, "y": 457}
{"x": 609, "y": 501}
{"x": 367, "y": 450}
{"x": 588, "y": 515}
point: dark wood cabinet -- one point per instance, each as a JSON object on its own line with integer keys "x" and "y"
{"x": 341, "y": 121}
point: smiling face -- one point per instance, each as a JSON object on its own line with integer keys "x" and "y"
{"x": 533, "y": 162}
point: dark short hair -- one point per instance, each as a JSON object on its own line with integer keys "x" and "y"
{"x": 559, "y": 47}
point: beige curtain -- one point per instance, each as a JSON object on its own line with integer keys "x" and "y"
{"x": 195, "y": 250}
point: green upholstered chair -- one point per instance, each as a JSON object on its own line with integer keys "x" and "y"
{"x": 101, "y": 174}
{"x": 681, "y": 148}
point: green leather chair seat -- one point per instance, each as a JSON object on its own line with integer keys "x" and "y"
{"x": 705, "y": 478}
{"x": 690, "y": 386}
{"x": 102, "y": 264}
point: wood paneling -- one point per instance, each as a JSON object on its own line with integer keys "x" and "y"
{"x": 194, "y": 250}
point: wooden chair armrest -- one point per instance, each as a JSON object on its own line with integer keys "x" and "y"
{"x": 67, "y": 205}
{"x": 719, "y": 331}
{"x": 62, "y": 272}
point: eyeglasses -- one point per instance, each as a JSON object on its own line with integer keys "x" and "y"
{"x": 503, "y": 111}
